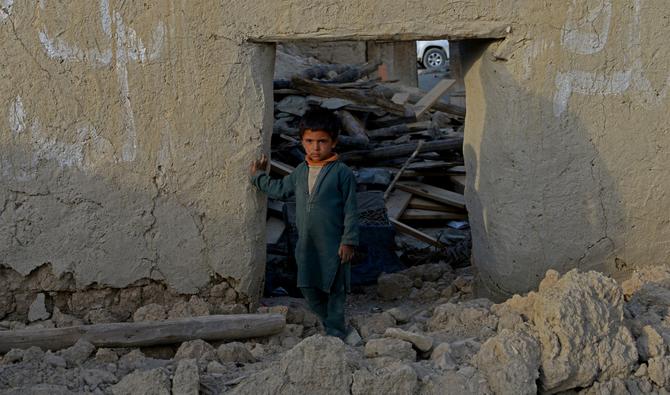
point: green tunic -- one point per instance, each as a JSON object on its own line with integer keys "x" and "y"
{"x": 325, "y": 219}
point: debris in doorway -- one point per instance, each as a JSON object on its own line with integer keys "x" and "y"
{"x": 400, "y": 141}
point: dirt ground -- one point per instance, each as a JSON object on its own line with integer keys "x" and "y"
{"x": 419, "y": 331}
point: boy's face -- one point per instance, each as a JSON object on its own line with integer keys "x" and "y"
{"x": 318, "y": 144}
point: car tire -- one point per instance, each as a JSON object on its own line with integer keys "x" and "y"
{"x": 435, "y": 59}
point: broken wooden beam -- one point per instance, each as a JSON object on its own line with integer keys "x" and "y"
{"x": 414, "y": 214}
{"x": 430, "y": 98}
{"x": 353, "y": 127}
{"x": 396, "y": 203}
{"x": 147, "y": 333}
{"x": 400, "y": 150}
{"x": 415, "y": 95}
{"x": 427, "y": 204}
{"x": 415, "y": 233}
{"x": 323, "y": 90}
{"x": 402, "y": 169}
{"x": 433, "y": 192}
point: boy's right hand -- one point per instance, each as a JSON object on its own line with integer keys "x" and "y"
{"x": 259, "y": 165}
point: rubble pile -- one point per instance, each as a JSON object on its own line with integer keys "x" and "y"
{"x": 403, "y": 143}
{"x": 579, "y": 332}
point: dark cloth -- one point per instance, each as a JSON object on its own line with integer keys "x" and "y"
{"x": 325, "y": 219}
{"x": 329, "y": 307}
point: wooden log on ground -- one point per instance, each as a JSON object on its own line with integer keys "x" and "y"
{"x": 314, "y": 88}
{"x": 400, "y": 150}
{"x": 148, "y": 333}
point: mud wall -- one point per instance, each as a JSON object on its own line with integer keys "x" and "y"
{"x": 126, "y": 129}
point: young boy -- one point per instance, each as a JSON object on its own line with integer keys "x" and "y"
{"x": 326, "y": 217}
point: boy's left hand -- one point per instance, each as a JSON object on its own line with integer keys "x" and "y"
{"x": 346, "y": 253}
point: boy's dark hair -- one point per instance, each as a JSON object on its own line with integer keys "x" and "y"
{"x": 320, "y": 119}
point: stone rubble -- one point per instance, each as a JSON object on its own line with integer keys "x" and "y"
{"x": 578, "y": 333}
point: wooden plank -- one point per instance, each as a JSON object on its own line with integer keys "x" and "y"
{"x": 417, "y": 234}
{"x": 426, "y": 204}
{"x": 353, "y": 126}
{"x": 281, "y": 168}
{"x": 147, "y": 333}
{"x": 274, "y": 228}
{"x": 400, "y": 150}
{"x": 396, "y": 203}
{"x": 432, "y": 192}
{"x": 324, "y": 90}
{"x": 432, "y": 96}
{"x": 428, "y": 215}
{"x": 458, "y": 182}
{"x": 400, "y": 98}
{"x": 456, "y": 170}
{"x": 402, "y": 169}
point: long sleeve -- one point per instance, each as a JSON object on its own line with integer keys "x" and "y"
{"x": 350, "y": 236}
{"x": 275, "y": 188}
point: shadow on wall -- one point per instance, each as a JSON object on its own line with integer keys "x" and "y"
{"x": 539, "y": 196}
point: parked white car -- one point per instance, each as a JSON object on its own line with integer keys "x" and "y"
{"x": 433, "y": 54}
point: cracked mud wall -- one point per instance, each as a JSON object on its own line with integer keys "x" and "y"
{"x": 126, "y": 130}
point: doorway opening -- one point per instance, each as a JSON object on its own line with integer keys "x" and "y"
{"x": 402, "y": 108}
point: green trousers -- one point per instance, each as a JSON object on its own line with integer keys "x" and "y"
{"x": 329, "y": 306}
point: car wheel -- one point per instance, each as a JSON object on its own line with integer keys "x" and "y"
{"x": 434, "y": 58}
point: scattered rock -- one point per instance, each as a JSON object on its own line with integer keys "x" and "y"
{"x": 62, "y": 320}
{"x": 659, "y": 371}
{"x": 99, "y": 316}
{"x": 421, "y": 342}
{"x": 508, "y": 318}
{"x": 651, "y": 344}
{"x": 54, "y": 360}
{"x": 374, "y": 324}
{"x": 293, "y": 104}
{"x": 456, "y": 383}
{"x": 464, "y": 350}
{"x": 579, "y": 321}
{"x": 464, "y": 320}
{"x": 233, "y": 309}
{"x": 394, "y": 286}
{"x": 510, "y": 361}
{"x": 38, "y": 309}
{"x": 150, "y": 312}
{"x": 396, "y": 379}
{"x": 353, "y": 339}
{"x": 195, "y": 307}
{"x": 95, "y": 377}
{"x": 390, "y": 347}
{"x": 13, "y": 355}
{"x": 215, "y": 368}
{"x": 150, "y": 382}
{"x": 78, "y": 353}
{"x": 196, "y": 349}
{"x": 400, "y": 314}
{"x": 441, "y": 357}
{"x": 186, "y": 380}
{"x": 235, "y": 352}
{"x": 317, "y": 365}
{"x": 106, "y": 355}
{"x": 33, "y": 354}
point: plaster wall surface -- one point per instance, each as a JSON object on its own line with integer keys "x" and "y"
{"x": 126, "y": 129}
